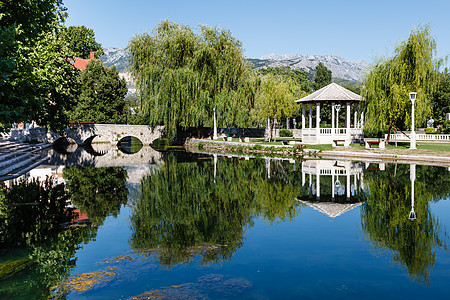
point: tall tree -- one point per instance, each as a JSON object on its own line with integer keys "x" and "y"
{"x": 35, "y": 79}
{"x": 81, "y": 40}
{"x": 182, "y": 77}
{"x": 102, "y": 95}
{"x": 274, "y": 99}
{"x": 413, "y": 68}
{"x": 441, "y": 97}
{"x": 322, "y": 78}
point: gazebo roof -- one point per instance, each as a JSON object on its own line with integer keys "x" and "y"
{"x": 332, "y": 93}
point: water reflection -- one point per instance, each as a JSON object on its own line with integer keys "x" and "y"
{"x": 38, "y": 241}
{"x": 397, "y": 220}
{"x": 322, "y": 179}
{"x": 97, "y": 192}
{"x": 190, "y": 207}
{"x": 204, "y": 208}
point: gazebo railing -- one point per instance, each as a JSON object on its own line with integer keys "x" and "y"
{"x": 420, "y": 137}
{"x": 337, "y": 131}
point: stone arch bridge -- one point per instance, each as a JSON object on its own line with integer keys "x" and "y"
{"x": 88, "y": 133}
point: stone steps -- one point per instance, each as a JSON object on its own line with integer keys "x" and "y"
{"x": 18, "y": 158}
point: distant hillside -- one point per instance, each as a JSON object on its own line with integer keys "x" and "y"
{"x": 340, "y": 67}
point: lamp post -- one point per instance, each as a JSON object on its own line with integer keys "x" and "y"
{"x": 412, "y": 96}
{"x": 337, "y": 107}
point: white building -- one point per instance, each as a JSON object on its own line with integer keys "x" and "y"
{"x": 338, "y": 97}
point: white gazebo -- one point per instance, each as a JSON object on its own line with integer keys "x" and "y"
{"x": 338, "y": 97}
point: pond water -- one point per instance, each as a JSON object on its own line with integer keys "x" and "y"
{"x": 177, "y": 225}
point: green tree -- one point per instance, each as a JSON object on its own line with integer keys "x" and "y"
{"x": 36, "y": 80}
{"x": 441, "y": 97}
{"x": 322, "y": 78}
{"x": 300, "y": 77}
{"x": 102, "y": 95}
{"x": 81, "y": 40}
{"x": 182, "y": 77}
{"x": 274, "y": 99}
{"x": 413, "y": 68}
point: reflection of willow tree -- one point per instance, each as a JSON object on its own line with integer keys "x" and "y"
{"x": 384, "y": 219}
{"x": 35, "y": 250}
{"x": 98, "y": 192}
{"x": 182, "y": 212}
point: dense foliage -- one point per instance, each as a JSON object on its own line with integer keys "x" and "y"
{"x": 441, "y": 97}
{"x": 182, "y": 76}
{"x": 81, "y": 41}
{"x": 102, "y": 95}
{"x": 299, "y": 77}
{"x": 413, "y": 68}
{"x": 322, "y": 78}
{"x": 36, "y": 81}
{"x": 275, "y": 99}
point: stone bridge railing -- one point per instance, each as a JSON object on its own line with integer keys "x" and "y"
{"x": 85, "y": 134}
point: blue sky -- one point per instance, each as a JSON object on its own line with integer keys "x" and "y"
{"x": 351, "y": 29}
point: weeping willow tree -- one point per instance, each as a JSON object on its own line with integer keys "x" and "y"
{"x": 183, "y": 76}
{"x": 413, "y": 68}
{"x": 275, "y": 99}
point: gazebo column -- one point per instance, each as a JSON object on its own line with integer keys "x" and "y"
{"x": 317, "y": 122}
{"x": 332, "y": 120}
{"x": 347, "y": 118}
{"x": 354, "y": 118}
{"x": 310, "y": 116}
{"x": 303, "y": 123}
{"x": 362, "y": 120}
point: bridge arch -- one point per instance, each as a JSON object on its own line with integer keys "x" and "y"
{"x": 65, "y": 145}
{"x": 130, "y": 144}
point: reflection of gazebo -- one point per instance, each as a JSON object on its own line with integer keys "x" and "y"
{"x": 329, "y": 201}
{"x": 331, "y": 209}
{"x": 337, "y": 96}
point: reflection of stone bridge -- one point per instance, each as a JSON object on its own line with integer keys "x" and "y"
{"x": 88, "y": 133}
{"x": 111, "y": 157}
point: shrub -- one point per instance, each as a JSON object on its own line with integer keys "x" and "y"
{"x": 285, "y": 133}
{"x": 430, "y": 130}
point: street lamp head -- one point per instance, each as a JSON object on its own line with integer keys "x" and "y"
{"x": 412, "y": 96}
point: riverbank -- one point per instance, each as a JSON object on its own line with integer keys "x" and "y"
{"x": 400, "y": 155}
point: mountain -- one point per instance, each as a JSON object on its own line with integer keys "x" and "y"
{"x": 340, "y": 67}
{"x": 115, "y": 57}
